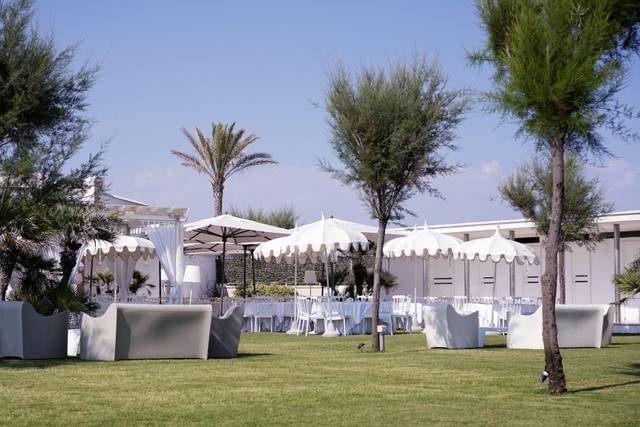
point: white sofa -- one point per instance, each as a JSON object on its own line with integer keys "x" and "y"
{"x": 578, "y": 326}
{"x": 27, "y": 334}
{"x": 144, "y": 331}
{"x": 446, "y": 328}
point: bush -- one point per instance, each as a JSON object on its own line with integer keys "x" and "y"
{"x": 264, "y": 289}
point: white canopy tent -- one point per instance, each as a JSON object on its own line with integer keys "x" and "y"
{"x": 121, "y": 257}
{"x": 424, "y": 244}
{"x": 320, "y": 240}
{"x": 228, "y": 229}
{"x": 495, "y": 249}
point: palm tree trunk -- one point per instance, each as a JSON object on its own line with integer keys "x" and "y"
{"x": 218, "y": 191}
{"x": 553, "y": 359}
{"x": 377, "y": 273}
{"x": 7, "y": 265}
{"x": 67, "y": 264}
{"x": 561, "y": 275}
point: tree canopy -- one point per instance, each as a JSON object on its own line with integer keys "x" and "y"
{"x": 529, "y": 191}
{"x": 42, "y": 127}
{"x": 221, "y": 155}
{"x": 284, "y": 217}
{"x": 390, "y": 130}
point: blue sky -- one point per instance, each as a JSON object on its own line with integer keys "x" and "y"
{"x": 168, "y": 65}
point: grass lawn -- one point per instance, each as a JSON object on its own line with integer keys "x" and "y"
{"x": 282, "y": 379}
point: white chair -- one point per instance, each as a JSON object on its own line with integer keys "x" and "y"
{"x": 303, "y": 313}
{"x": 578, "y": 326}
{"x": 446, "y": 328}
{"x": 333, "y": 311}
{"x": 401, "y": 310}
{"x": 263, "y": 310}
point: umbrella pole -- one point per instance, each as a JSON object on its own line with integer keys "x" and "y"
{"x": 224, "y": 252}
{"x": 293, "y": 330}
{"x": 244, "y": 271}
{"x": 493, "y": 296}
{"x": 159, "y": 282}
{"x": 253, "y": 273}
{"x": 329, "y": 327}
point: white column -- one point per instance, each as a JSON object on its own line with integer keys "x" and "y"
{"x": 512, "y": 270}
{"x": 467, "y": 278}
{"x": 616, "y": 267}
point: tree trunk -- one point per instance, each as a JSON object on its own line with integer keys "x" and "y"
{"x": 67, "y": 264}
{"x": 218, "y": 191}
{"x": 7, "y": 265}
{"x": 561, "y": 275}
{"x": 377, "y": 273}
{"x": 553, "y": 359}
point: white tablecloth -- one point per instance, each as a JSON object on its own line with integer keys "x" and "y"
{"x": 500, "y": 316}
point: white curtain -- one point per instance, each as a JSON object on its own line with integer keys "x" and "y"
{"x": 168, "y": 239}
{"x": 122, "y": 269}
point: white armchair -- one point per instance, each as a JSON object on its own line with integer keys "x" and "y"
{"x": 578, "y": 326}
{"x": 446, "y": 328}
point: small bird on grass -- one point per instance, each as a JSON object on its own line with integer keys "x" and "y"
{"x": 542, "y": 378}
{"x": 360, "y": 346}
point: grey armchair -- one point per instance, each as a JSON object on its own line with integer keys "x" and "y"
{"x": 26, "y": 334}
{"x": 145, "y": 331}
{"x": 225, "y": 333}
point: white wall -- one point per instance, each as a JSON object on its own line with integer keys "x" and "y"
{"x": 588, "y": 275}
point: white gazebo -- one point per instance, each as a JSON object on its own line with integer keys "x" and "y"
{"x": 121, "y": 257}
{"x": 319, "y": 241}
{"x": 424, "y": 244}
{"x": 495, "y": 249}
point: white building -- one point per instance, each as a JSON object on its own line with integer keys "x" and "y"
{"x": 589, "y": 273}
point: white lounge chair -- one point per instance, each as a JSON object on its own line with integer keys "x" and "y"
{"x": 578, "y": 326}
{"x": 446, "y": 328}
{"x": 145, "y": 331}
{"x": 26, "y": 334}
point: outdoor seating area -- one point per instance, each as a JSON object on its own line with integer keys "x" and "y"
{"x": 319, "y": 213}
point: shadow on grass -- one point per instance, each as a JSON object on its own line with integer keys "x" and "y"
{"x": 38, "y": 364}
{"x": 15, "y": 363}
{"x": 633, "y": 369}
{"x": 603, "y": 387}
{"x": 245, "y": 355}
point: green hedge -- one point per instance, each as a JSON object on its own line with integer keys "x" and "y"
{"x": 264, "y": 289}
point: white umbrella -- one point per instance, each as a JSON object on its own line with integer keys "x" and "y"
{"x": 369, "y": 231}
{"x": 496, "y": 248}
{"x": 122, "y": 253}
{"x": 423, "y": 244}
{"x": 227, "y": 229}
{"x": 276, "y": 250}
{"x": 318, "y": 240}
{"x": 122, "y": 246}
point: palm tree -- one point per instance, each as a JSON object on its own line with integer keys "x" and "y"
{"x": 220, "y": 156}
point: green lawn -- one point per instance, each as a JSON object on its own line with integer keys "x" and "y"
{"x": 292, "y": 380}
